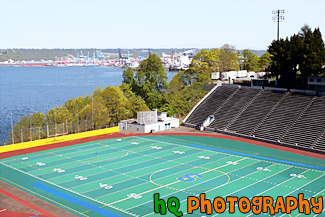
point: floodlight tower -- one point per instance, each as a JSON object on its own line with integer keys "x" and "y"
{"x": 278, "y": 16}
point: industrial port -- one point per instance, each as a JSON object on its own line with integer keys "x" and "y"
{"x": 174, "y": 61}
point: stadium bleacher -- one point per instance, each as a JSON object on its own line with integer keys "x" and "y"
{"x": 274, "y": 116}
{"x": 211, "y": 104}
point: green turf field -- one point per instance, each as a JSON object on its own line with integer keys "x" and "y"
{"x": 121, "y": 175}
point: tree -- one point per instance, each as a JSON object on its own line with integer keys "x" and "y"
{"x": 97, "y": 113}
{"x": 294, "y": 59}
{"x": 128, "y": 76}
{"x": 27, "y": 127}
{"x": 228, "y": 58}
{"x": 116, "y": 103}
{"x": 285, "y": 57}
{"x": 313, "y": 52}
{"x": 151, "y": 81}
{"x": 264, "y": 62}
{"x": 250, "y": 60}
{"x": 135, "y": 103}
{"x": 203, "y": 64}
{"x": 75, "y": 105}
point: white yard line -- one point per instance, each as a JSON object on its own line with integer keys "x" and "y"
{"x": 67, "y": 157}
{"x": 269, "y": 188}
{"x": 71, "y": 147}
{"x": 235, "y": 181}
{"x": 81, "y": 162}
{"x": 183, "y": 190}
{"x": 303, "y": 186}
{"x": 181, "y": 164}
{"x": 90, "y": 198}
{"x": 253, "y": 183}
{"x": 268, "y": 161}
{"x": 171, "y": 174}
{"x": 113, "y": 170}
{"x": 171, "y": 183}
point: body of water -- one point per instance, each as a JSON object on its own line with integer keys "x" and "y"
{"x": 26, "y": 90}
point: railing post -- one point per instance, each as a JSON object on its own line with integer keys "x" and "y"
{"x": 13, "y": 137}
{"x": 47, "y": 130}
{"x": 22, "y": 137}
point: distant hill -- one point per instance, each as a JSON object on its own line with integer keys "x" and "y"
{"x": 52, "y": 54}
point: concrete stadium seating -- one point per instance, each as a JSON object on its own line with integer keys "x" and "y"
{"x": 278, "y": 117}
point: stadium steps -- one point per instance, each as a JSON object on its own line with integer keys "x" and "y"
{"x": 256, "y": 112}
{"x": 243, "y": 109}
{"x": 265, "y": 118}
{"x": 194, "y": 115}
{"x": 287, "y": 111}
{"x": 211, "y": 104}
{"x": 295, "y": 121}
{"x": 308, "y": 127}
{"x": 320, "y": 142}
{"x": 232, "y": 107}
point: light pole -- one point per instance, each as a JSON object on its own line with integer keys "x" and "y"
{"x": 278, "y": 16}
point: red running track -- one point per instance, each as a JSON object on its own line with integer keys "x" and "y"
{"x": 117, "y": 135}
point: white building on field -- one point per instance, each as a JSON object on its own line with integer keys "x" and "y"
{"x": 149, "y": 122}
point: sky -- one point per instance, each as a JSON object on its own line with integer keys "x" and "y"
{"x": 246, "y": 24}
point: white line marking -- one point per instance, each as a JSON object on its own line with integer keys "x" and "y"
{"x": 100, "y": 202}
{"x": 172, "y": 183}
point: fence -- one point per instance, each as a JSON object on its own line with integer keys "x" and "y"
{"x": 53, "y": 130}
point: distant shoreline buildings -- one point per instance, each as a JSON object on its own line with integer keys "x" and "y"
{"x": 175, "y": 62}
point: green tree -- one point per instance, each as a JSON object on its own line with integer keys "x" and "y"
{"x": 75, "y": 105}
{"x": 203, "y": 64}
{"x": 135, "y": 103}
{"x": 228, "y": 58}
{"x": 294, "y": 59}
{"x": 313, "y": 52}
{"x": 58, "y": 115}
{"x": 116, "y": 103}
{"x": 250, "y": 60}
{"x": 21, "y": 130}
{"x": 151, "y": 81}
{"x": 284, "y": 61}
{"x": 128, "y": 76}
{"x": 264, "y": 62}
{"x": 27, "y": 127}
{"x": 96, "y": 115}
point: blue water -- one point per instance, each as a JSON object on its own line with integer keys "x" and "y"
{"x": 25, "y": 90}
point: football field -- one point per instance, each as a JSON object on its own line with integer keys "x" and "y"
{"x": 118, "y": 177}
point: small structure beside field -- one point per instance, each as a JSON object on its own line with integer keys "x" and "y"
{"x": 149, "y": 122}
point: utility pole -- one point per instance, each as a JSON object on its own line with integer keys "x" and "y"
{"x": 278, "y": 16}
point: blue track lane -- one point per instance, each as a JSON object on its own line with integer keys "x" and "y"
{"x": 258, "y": 157}
{"x": 75, "y": 200}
